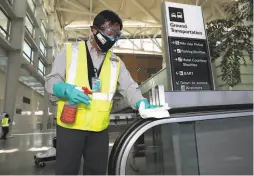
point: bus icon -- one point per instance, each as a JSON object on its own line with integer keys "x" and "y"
{"x": 179, "y": 15}
{"x": 176, "y": 14}
{"x": 173, "y": 15}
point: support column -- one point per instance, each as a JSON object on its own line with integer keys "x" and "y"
{"x": 14, "y": 58}
{"x": 48, "y": 67}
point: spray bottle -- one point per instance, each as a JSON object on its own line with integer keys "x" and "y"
{"x": 69, "y": 112}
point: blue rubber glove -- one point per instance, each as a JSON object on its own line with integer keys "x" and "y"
{"x": 147, "y": 104}
{"x": 67, "y": 91}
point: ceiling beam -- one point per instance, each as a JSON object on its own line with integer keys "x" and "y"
{"x": 73, "y": 11}
{"x": 158, "y": 43}
{"x": 121, "y": 7}
{"x": 154, "y": 42}
{"x": 213, "y": 10}
{"x": 75, "y": 5}
{"x": 87, "y": 26}
{"x": 134, "y": 34}
{"x": 142, "y": 31}
{"x": 86, "y": 11}
{"x": 220, "y": 11}
{"x": 91, "y": 11}
{"x": 69, "y": 22}
{"x": 110, "y": 7}
{"x": 153, "y": 4}
{"x": 127, "y": 31}
{"x": 145, "y": 10}
{"x": 132, "y": 42}
{"x": 203, "y": 3}
{"x": 157, "y": 33}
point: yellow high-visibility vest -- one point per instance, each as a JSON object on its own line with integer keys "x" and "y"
{"x": 5, "y": 122}
{"x": 96, "y": 116}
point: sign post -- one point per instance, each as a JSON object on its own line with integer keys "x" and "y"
{"x": 186, "y": 48}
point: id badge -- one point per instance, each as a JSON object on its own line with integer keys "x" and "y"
{"x": 96, "y": 84}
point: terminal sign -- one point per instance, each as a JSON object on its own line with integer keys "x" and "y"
{"x": 190, "y": 64}
{"x": 187, "y": 50}
{"x": 185, "y": 21}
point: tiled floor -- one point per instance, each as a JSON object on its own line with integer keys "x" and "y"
{"x": 17, "y": 152}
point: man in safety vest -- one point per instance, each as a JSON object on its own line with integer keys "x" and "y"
{"x": 83, "y": 119}
{"x": 5, "y": 125}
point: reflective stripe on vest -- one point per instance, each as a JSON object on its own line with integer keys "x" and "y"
{"x": 113, "y": 75}
{"x": 94, "y": 117}
{"x": 5, "y": 122}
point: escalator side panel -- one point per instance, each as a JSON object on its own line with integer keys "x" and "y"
{"x": 187, "y": 145}
{"x": 173, "y": 150}
{"x": 225, "y": 146}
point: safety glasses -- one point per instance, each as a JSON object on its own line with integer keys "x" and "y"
{"x": 110, "y": 33}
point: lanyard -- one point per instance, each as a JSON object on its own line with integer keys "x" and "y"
{"x": 90, "y": 67}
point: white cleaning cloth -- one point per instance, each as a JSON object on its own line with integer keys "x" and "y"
{"x": 161, "y": 112}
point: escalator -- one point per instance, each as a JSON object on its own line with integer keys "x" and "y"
{"x": 193, "y": 141}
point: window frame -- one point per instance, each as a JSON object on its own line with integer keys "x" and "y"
{"x": 44, "y": 53}
{"x": 43, "y": 27}
{"x": 33, "y": 9}
{"x": 31, "y": 22}
{"x": 10, "y": 2}
{"x": 31, "y": 54}
{"x": 42, "y": 72}
{"x": 7, "y": 33}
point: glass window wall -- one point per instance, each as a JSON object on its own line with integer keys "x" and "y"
{"x": 42, "y": 48}
{"x": 28, "y": 52}
{"x": 4, "y": 24}
{"x": 41, "y": 67}
{"x": 29, "y": 26}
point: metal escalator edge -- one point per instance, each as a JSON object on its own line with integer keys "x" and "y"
{"x": 124, "y": 143}
{"x": 119, "y": 142}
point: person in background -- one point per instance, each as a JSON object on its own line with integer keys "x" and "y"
{"x": 5, "y": 126}
{"x": 90, "y": 65}
{"x": 2, "y": 115}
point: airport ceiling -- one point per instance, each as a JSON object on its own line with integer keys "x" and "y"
{"x": 141, "y": 18}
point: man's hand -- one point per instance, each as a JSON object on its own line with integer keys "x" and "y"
{"x": 143, "y": 104}
{"x": 75, "y": 96}
{"x": 69, "y": 92}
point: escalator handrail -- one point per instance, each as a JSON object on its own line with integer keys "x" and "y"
{"x": 132, "y": 137}
{"x": 217, "y": 108}
{"x": 119, "y": 141}
{"x": 128, "y": 138}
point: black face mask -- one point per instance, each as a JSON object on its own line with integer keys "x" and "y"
{"x": 103, "y": 42}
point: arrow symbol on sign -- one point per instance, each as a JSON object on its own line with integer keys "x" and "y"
{"x": 177, "y": 73}
{"x": 177, "y": 82}
{"x": 174, "y": 50}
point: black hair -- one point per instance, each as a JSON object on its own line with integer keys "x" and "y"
{"x": 7, "y": 115}
{"x": 107, "y": 15}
